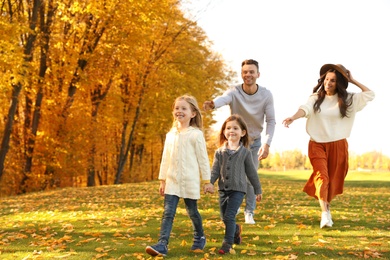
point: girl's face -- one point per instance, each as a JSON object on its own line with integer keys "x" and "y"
{"x": 233, "y": 131}
{"x": 182, "y": 112}
{"x": 330, "y": 83}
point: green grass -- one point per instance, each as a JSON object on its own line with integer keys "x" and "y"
{"x": 118, "y": 222}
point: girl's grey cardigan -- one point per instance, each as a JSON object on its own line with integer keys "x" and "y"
{"x": 232, "y": 170}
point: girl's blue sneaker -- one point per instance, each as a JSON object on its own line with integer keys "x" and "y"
{"x": 157, "y": 249}
{"x": 199, "y": 243}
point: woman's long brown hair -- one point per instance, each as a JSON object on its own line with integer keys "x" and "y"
{"x": 341, "y": 91}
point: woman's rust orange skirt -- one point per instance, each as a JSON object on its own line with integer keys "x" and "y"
{"x": 330, "y": 167}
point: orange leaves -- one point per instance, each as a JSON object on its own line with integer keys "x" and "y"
{"x": 232, "y": 251}
{"x": 183, "y": 243}
{"x": 102, "y": 252}
{"x": 94, "y": 234}
{"x": 302, "y": 226}
{"x": 283, "y": 249}
{"x": 269, "y": 227}
{"x": 117, "y": 234}
{"x": 212, "y": 250}
{"x": 12, "y": 237}
{"x": 84, "y": 241}
{"x": 67, "y": 228}
{"x": 367, "y": 253}
{"x": 286, "y": 257}
{"x": 256, "y": 238}
{"x": 118, "y": 222}
{"x": 296, "y": 241}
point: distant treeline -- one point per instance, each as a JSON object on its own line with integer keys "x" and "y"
{"x": 295, "y": 159}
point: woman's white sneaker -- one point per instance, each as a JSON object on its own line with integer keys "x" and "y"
{"x": 325, "y": 222}
{"x": 330, "y": 218}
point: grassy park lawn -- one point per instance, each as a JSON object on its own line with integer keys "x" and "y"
{"x": 118, "y": 222}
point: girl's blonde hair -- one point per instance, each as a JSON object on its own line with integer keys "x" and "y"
{"x": 196, "y": 121}
{"x": 244, "y": 139}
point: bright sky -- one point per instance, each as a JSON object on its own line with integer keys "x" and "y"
{"x": 291, "y": 40}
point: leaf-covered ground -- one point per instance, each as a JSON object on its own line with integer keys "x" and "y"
{"x": 118, "y": 222}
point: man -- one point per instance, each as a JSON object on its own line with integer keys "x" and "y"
{"x": 255, "y": 104}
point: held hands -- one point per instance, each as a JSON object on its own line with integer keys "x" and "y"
{"x": 162, "y": 188}
{"x": 208, "y": 188}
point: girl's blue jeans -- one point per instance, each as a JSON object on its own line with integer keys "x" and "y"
{"x": 170, "y": 206}
{"x": 229, "y": 202}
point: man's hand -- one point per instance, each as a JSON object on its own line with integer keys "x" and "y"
{"x": 208, "y": 105}
{"x": 263, "y": 152}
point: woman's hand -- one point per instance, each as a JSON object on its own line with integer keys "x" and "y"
{"x": 286, "y": 122}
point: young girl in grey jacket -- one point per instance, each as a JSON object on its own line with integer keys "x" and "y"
{"x": 232, "y": 166}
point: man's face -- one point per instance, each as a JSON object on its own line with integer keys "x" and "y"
{"x": 249, "y": 74}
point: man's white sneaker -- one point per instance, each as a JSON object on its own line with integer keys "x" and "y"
{"x": 249, "y": 218}
{"x": 325, "y": 220}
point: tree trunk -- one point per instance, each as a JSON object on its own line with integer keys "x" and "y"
{"x": 123, "y": 157}
{"x": 45, "y": 29}
{"x": 16, "y": 89}
{"x": 8, "y": 127}
{"x": 97, "y": 95}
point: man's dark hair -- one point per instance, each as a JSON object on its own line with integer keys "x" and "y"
{"x": 249, "y": 62}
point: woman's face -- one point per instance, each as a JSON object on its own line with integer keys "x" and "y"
{"x": 330, "y": 83}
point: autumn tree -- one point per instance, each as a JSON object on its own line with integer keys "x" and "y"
{"x": 31, "y": 22}
{"x": 91, "y": 85}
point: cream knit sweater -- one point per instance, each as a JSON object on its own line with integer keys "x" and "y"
{"x": 184, "y": 163}
{"x": 327, "y": 125}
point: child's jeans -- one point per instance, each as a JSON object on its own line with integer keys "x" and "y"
{"x": 170, "y": 206}
{"x": 229, "y": 202}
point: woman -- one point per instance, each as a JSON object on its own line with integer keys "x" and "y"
{"x": 330, "y": 113}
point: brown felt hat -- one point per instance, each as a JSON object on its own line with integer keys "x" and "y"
{"x": 340, "y": 68}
